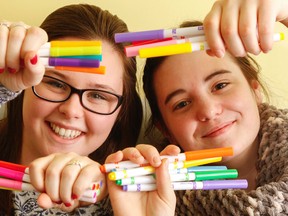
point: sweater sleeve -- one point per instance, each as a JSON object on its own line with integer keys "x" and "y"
{"x": 7, "y": 95}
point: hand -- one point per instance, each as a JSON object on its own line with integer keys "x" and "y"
{"x": 63, "y": 178}
{"x": 242, "y": 26}
{"x": 159, "y": 202}
{"x": 19, "y": 65}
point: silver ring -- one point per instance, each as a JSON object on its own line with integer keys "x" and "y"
{"x": 75, "y": 162}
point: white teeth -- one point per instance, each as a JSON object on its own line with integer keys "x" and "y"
{"x": 65, "y": 133}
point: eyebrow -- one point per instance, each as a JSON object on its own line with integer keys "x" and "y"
{"x": 93, "y": 85}
{"x": 209, "y": 77}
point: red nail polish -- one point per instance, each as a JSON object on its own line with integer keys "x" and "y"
{"x": 34, "y": 60}
{"x": 11, "y": 70}
{"x": 67, "y": 204}
{"x": 2, "y": 70}
{"x": 58, "y": 202}
{"x": 74, "y": 196}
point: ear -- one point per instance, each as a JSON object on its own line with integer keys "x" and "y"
{"x": 256, "y": 87}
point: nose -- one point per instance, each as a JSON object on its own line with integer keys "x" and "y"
{"x": 72, "y": 107}
{"x": 208, "y": 109}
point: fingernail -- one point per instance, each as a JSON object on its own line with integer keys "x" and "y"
{"x": 34, "y": 60}
{"x": 11, "y": 70}
{"x": 67, "y": 204}
{"x": 157, "y": 161}
{"x": 58, "y": 202}
{"x": 2, "y": 70}
{"x": 74, "y": 196}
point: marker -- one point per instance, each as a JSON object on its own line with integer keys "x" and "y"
{"x": 134, "y": 50}
{"x": 99, "y": 70}
{"x": 8, "y": 184}
{"x": 13, "y": 174}
{"x": 70, "y": 51}
{"x": 186, "y": 156}
{"x": 187, "y": 47}
{"x": 159, "y": 34}
{"x": 197, "y": 169}
{"x": 73, "y": 62}
{"x": 195, "y": 176}
{"x": 81, "y": 43}
{"x": 196, "y": 185}
{"x": 13, "y": 166}
{"x": 139, "y": 171}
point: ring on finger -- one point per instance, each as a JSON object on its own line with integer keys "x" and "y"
{"x": 75, "y": 162}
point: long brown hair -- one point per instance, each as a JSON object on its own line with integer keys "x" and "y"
{"x": 86, "y": 22}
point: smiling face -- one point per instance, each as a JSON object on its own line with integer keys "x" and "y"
{"x": 206, "y": 102}
{"x": 67, "y": 126}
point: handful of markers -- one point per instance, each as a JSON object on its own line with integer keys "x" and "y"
{"x": 165, "y": 42}
{"x": 188, "y": 171}
{"x": 77, "y": 56}
{"x": 16, "y": 177}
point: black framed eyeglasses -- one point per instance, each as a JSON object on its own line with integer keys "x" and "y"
{"x": 96, "y": 101}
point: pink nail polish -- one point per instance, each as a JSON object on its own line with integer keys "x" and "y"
{"x": 34, "y": 60}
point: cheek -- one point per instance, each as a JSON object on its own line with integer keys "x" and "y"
{"x": 35, "y": 108}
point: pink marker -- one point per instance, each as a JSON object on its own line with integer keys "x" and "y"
{"x": 13, "y": 166}
{"x": 16, "y": 175}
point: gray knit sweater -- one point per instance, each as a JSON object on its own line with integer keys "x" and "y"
{"x": 271, "y": 194}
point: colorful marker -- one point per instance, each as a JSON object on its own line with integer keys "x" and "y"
{"x": 186, "y": 156}
{"x": 146, "y": 170}
{"x": 134, "y": 50}
{"x": 98, "y": 70}
{"x": 187, "y": 47}
{"x": 159, "y": 34}
{"x": 196, "y": 185}
{"x": 197, "y": 169}
{"x": 70, "y": 51}
{"x": 73, "y": 62}
{"x": 195, "y": 176}
{"x": 82, "y": 43}
{"x": 13, "y": 166}
{"x": 13, "y": 174}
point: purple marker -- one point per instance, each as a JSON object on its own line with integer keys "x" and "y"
{"x": 193, "y": 185}
{"x": 72, "y": 62}
{"x": 159, "y": 34}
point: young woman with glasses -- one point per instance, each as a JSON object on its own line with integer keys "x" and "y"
{"x": 67, "y": 123}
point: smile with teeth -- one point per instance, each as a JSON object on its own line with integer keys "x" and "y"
{"x": 65, "y": 133}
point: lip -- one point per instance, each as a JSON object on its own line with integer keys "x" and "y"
{"x": 219, "y": 130}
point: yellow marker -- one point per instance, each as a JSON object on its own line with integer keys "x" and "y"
{"x": 72, "y": 51}
{"x": 172, "y": 49}
{"x": 131, "y": 172}
{"x": 74, "y": 43}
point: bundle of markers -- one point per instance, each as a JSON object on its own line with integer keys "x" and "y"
{"x": 188, "y": 171}
{"x": 16, "y": 177}
{"x": 78, "y": 56}
{"x": 164, "y": 42}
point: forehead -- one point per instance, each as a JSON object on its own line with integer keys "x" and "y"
{"x": 193, "y": 65}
